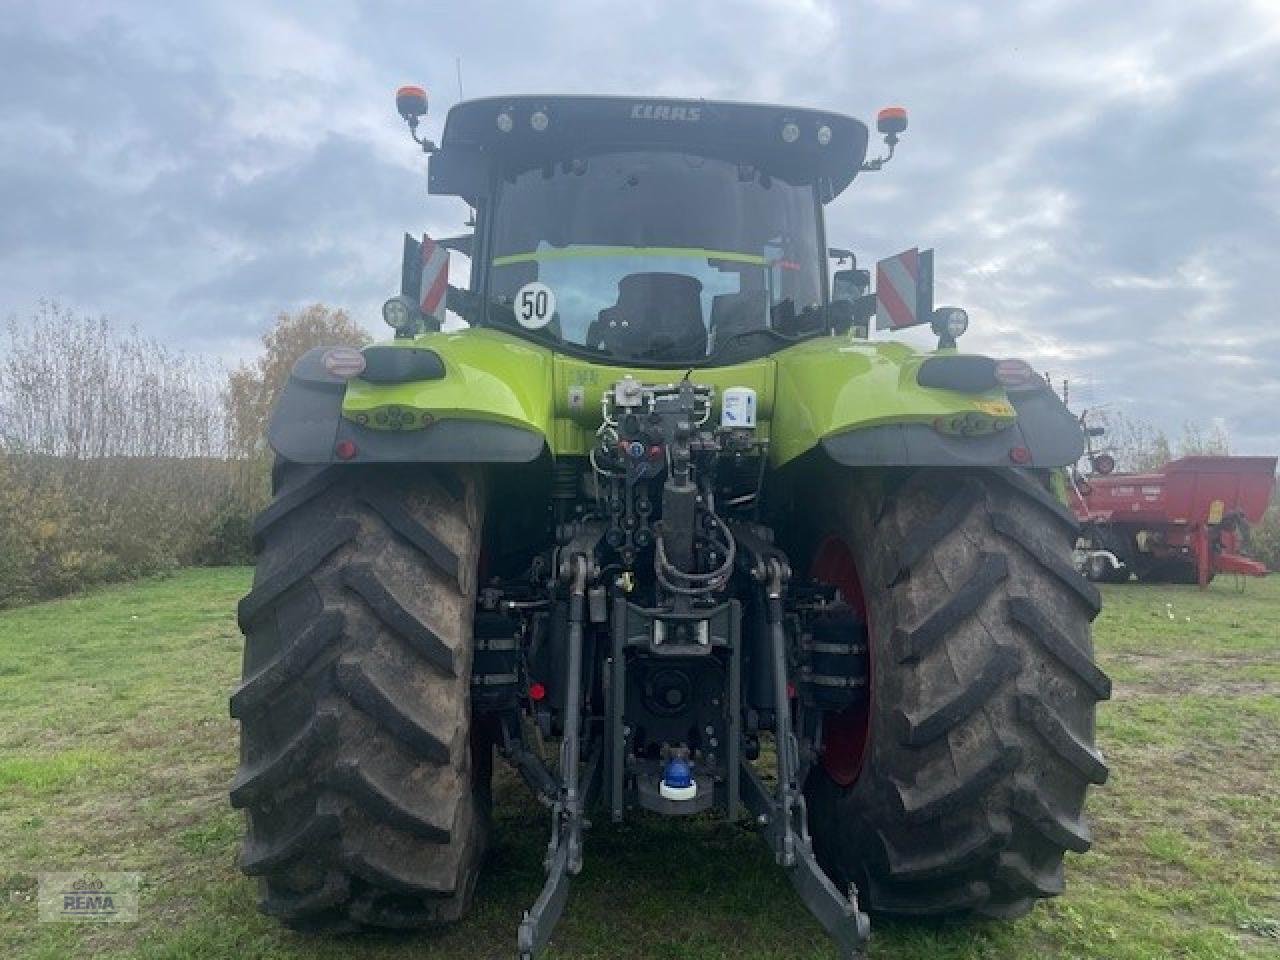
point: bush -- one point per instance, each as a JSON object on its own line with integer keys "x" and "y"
{"x": 112, "y": 458}
{"x": 1264, "y": 541}
{"x": 227, "y": 537}
{"x": 120, "y": 457}
{"x": 39, "y": 552}
{"x": 65, "y": 525}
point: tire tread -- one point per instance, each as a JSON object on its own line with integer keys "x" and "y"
{"x": 982, "y": 747}
{"x": 355, "y": 769}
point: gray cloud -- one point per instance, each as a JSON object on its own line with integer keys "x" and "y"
{"x": 1101, "y": 185}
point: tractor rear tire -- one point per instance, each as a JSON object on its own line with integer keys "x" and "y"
{"x": 984, "y": 688}
{"x": 366, "y": 794}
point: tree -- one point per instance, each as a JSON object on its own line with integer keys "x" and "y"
{"x": 1137, "y": 445}
{"x": 252, "y": 389}
{"x": 1200, "y": 439}
{"x": 81, "y": 389}
{"x": 1141, "y": 447}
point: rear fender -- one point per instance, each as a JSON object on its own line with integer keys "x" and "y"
{"x": 491, "y": 404}
{"x": 862, "y": 404}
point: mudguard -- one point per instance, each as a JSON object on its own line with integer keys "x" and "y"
{"x": 494, "y": 411}
{"x": 863, "y": 404}
{"x": 1044, "y": 428}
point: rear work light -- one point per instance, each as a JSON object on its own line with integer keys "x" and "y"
{"x": 1014, "y": 373}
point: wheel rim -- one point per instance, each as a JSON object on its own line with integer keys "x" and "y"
{"x": 846, "y": 734}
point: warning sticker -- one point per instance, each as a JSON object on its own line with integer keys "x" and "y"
{"x": 995, "y": 408}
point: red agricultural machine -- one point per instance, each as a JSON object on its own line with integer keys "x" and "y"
{"x": 1183, "y": 524}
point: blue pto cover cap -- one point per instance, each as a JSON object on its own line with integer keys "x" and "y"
{"x": 679, "y": 773}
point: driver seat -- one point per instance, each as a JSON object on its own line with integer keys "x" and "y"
{"x": 654, "y": 311}
{"x": 734, "y": 313}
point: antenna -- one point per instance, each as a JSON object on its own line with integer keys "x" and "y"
{"x": 457, "y": 66}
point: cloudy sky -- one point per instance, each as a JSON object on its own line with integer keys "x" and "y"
{"x": 1101, "y": 182}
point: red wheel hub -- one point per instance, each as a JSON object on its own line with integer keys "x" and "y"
{"x": 846, "y": 734}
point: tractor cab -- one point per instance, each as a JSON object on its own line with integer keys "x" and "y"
{"x": 639, "y": 232}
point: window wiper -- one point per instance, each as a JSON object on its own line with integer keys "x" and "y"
{"x": 666, "y": 348}
{"x": 769, "y": 332}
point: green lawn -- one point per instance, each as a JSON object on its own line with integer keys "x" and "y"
{"x": 116, "y": 751}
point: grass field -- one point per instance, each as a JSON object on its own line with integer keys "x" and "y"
{"x": 116, "y": 751}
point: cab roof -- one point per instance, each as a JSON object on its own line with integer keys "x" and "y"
{"x": 479, "y": 145}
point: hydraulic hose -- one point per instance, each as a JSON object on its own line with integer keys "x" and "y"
{"x": 699, "y": 583}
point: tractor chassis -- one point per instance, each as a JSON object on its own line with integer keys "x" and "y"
{"x": 781, "y": 812}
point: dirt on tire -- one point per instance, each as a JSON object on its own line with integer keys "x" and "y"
{"x": 984, "y": 690}
{"x": 365, "y": 795}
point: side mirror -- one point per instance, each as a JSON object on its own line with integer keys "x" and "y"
{"x": 852, "y": 308}
{"x": 849, "y": 284}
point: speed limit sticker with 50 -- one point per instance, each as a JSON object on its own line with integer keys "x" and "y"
{"x": 535, "y": 305}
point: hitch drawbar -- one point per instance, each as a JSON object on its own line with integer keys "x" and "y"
{"x": 781, "y": 813}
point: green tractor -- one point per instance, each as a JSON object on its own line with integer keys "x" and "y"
{"x": 663, "y": 497}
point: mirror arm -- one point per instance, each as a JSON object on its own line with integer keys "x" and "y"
{"x": 870, "y": 166}
{"x": 427, "y": 146}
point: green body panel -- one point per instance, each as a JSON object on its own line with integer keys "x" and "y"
{"x": 487, "y": 376}
{"x": 805, "y": 393}
{"x": 832, "y": 385}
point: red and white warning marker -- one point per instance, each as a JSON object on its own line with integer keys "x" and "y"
{"x": 904, "y": 289}
{"x": 435, "y": 280}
